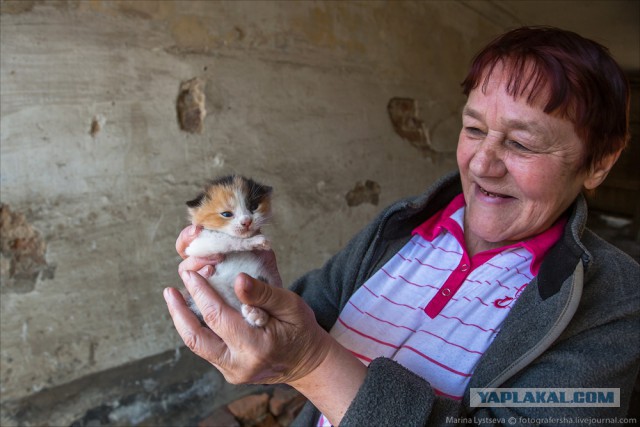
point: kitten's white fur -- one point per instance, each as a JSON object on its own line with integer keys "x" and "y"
{"x": 242, "y": 245}
{"x": 239, "y": 258}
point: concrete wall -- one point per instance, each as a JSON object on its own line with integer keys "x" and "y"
{"x": 95, "y": 168}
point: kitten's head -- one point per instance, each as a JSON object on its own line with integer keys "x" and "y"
{"x": 233, "y": 205}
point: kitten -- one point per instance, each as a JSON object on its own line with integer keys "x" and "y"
{"x": 232, "y": 210}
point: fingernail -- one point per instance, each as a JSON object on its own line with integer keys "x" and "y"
{"x": 186, "y": 276}
{"x": 247, "y": 284}
{"x": 192, "y": 230}
{"x": 206, "y": 271}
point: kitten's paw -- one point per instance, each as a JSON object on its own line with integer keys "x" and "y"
{"x": 261, "y": 243}
{"x": 254, "y": 316}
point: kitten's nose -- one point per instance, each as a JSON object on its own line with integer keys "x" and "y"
{"x": 245, "y": 222}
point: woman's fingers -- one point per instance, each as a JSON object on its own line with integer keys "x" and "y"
{"x": 276, "y": 301}
{"x": 185, "y": 238}
{"x": 221, "y": 318}
{"x": 198, "y": 338}
{"x": 204, "y": 266}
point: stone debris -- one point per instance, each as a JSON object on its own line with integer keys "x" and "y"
{"x": 367, "y": 192}
{"x": 277, "y": 409}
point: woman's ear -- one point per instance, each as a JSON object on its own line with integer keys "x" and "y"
{"x": 599, "y": 172}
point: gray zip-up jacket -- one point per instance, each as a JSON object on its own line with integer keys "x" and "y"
{"x": 576, "y": 325}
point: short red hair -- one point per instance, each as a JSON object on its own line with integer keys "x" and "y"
{"x": 585, "y": 84}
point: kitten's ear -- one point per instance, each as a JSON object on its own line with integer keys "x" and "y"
{"x": 196, "y": 202}
{"x": 268, "y": 190}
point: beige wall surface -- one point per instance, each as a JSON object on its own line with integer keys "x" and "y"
{"x": 95, "y": 169}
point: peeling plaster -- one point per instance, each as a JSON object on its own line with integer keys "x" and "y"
{"x": 405, "y": 119}
{"x": 191, "y": 105}
{"x": 369, "y": 192}
{"x": 22, "y": 253}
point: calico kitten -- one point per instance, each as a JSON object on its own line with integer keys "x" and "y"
{"x": 232, "y": 210}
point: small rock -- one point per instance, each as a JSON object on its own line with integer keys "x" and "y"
{"x": 250, "y": 408}
{"x": 220, "y": 417}
{"x": 282, "y": 396}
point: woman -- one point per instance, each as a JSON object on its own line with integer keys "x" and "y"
{"x": 488, "y": 279}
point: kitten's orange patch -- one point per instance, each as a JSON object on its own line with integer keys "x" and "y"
{"x": 217, "y": 200}
{"x": 225, "y": 197}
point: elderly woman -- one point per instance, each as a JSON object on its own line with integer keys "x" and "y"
{"x": 489, "y": 279}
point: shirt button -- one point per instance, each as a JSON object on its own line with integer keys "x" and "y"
{"x": 446, "y": 292}
{"x": 464, "y": 267}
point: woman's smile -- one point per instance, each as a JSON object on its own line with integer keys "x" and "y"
{"x": 520, "y": 167}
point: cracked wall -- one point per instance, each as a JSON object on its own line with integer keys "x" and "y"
{"x": 104, "y": 136}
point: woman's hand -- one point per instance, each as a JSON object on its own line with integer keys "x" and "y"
{"x": 292, "y": 348}
{"x": 287, "y": 349}
{"x": 185, "y": 238}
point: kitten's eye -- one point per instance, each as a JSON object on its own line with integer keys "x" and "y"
{"x": 226, "y": 214}
{"x": 253, "y": 207}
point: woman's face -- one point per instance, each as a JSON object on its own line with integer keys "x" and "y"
{"x": 520, "y": 167}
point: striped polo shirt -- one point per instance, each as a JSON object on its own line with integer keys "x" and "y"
{"x": 434, "y": 309}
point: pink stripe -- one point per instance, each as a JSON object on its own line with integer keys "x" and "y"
{"x": 496, "y": 266}
{"x": 417, "y": 243}
{"x": 366, "y": 336}
{"x": 397, "y": 303}
{"x": 385, "y": 272}
{"x": 468, "y": 324}
{"x": 509, "y": 269}
{"x": 522, "y": 274}
{"x": 360, "y": 356}
{"x": 444, "y": 250}
{"x": 406, "y": 259}
{"x": 483, "y": 303}
{"x": 436, "y": 362}
{"x": 389, "y": 323}
{"x": 354, "y": 306}
{"x": 415, "y": 284}
{"x": 435, "y": 247}
{"x": 501, "y": 285}
{"x": 449, "y": 342}
{"x": 435, "y": 268}
{"x": 520, "y": 289}
{"x": 476, "y": 281}
{"x": 372, "y": 293}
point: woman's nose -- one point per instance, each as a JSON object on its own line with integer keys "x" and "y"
{"x": 488, "y": 159}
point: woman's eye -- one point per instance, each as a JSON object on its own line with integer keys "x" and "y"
{"x": 473, "y": 131}
{"x": 226, "y": 214}
{"x": 517, "y": 145}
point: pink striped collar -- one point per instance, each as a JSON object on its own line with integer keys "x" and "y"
{"x": 537, "y": 245}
